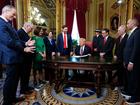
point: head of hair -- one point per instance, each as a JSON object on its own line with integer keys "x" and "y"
{"x": 83, "y": 39}
{"x": 135, "y": 22}
{"x": 106, "y": 30}
{"x": 27, "y": 24}
{"x": 7, "y": 8}
{"x": 64, "y": 26}
{"x": 37, "y": 31}
{"x": 51, "y": 31}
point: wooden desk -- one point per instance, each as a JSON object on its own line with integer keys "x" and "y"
{"x": 90, "y": 63}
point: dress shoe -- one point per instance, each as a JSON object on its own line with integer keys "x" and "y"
{"x": 26, "y": 92}
{"x": 125, "y": 95}
{"x": 30, "y": 88}
{"x": 133, "y": 101}
{"x": 19, "y": 99}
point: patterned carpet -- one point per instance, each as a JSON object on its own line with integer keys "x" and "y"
{"x": 69, "y": 96}
{"x": 79, "y": 96}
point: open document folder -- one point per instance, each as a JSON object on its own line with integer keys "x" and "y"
{"x": 81, "y": 56}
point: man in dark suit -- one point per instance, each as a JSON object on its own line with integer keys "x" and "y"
{"x": 64, "y": 45}
{"x": 64, "y": 42}
{"x": 82, "y": 48}
{"x": 11, "y": 48}
{"x": 27, "y": 59}
{"x": 132, "y": 62}
{"x": 51, "y": 50}
{"x": 106, "y": 49}
{"x": 118, "y": 55}
{"x": 106, "y": 44}
{"x": 96, "y": 42}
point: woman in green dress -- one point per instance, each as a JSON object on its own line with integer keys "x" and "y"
{"x": 40, "y": 56}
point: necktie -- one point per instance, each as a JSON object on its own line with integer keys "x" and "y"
{"x": 129, "y": 34}
{"x": 65, "y": 40}
{"x": 121, "y": 39}
{"x": 81, "y": 51}
{"x": 51, "y": 41}
{"x": 104, "y": 40}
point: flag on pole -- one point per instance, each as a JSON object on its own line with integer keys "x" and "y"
{"x": 75, "y": 31}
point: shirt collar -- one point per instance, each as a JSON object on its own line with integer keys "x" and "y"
{"x": 24, "y": 29}
{"x": 106, "y": 37}
{"x": 123, "y": 35}
{"x": 4, "y": 18}
{"x": 133, "y": 29}
{"x": 83, "y": 47}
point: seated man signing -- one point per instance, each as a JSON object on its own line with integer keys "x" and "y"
{"x": 82, "y": 48}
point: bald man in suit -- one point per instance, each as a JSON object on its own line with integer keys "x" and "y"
{"x": 26, "y": 66}
{"x": 132, "y": 62}
{"x": 118, "y": 55}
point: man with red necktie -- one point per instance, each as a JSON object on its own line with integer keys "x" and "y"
{"x": 106, "y": 51}
{"x": 64, "y": 45}
{"x": 64, "y": 42}
{"x": 106, "y": 44}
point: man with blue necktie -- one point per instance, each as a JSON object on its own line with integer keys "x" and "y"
{"x": 11, "y": 49}
{"x": 51, "y": 48}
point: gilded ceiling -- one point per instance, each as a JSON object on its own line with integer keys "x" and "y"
{"x": 46, "y": 7}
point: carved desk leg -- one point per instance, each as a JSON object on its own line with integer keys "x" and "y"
{"x": 98, "y": 80}
{"x": 59, "y": 80}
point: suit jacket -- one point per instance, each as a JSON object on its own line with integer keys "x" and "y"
{"x": 132, "y": 48}
{"x": 50, "y": 46}
{"x": 10, "y": 44}
{"x": 60, "y": 44}
{"x": 120, "y": 47}
{"x": 87, "y": 50}
{"x": 107, "y": 48}
{"x": 23, "y": 36}
{"x": 96, "y": 44}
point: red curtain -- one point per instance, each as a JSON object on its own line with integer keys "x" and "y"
{"x": 81, "y": 7}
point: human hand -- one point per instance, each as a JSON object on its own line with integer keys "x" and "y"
{"x": 29, "y": 49}
{"x": 130, "y": 66}
{"x": 71, "y": 53}
{"x": 58, "y": 53}
{"x": 115, "y": 57}
{"x": 102, "y": 54}
{"x": 30, "y": 42}
{"x": 53, "y": 53}
{"x": 95, "y": 49}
